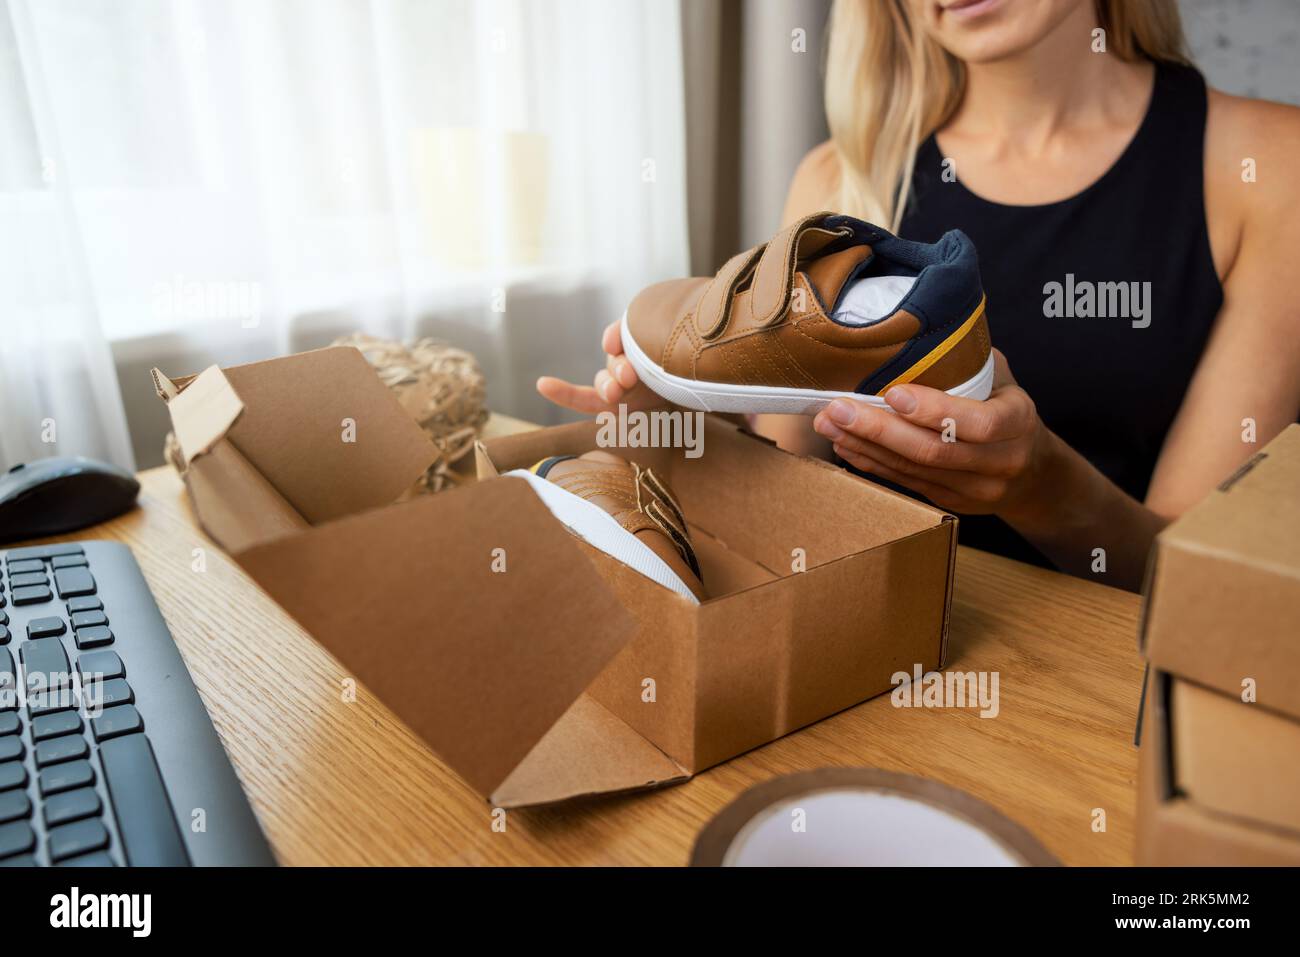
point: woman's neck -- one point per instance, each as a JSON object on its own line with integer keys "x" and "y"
{"x": 1059, "y": 85}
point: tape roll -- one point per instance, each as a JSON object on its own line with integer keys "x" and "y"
{"x": 846, "y": 817}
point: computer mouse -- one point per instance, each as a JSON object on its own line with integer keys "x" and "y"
{"x": 56, "y": 495}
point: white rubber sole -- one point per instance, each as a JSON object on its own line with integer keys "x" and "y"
{"x": 726, "y": 397}
{"x": 598, "y": 528}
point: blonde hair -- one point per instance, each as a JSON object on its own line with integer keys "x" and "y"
{"x": 889, "y": 86}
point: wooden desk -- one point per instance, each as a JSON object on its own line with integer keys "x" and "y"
{"x": 340, "y": 783}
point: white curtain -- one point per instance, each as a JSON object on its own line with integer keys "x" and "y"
{"x": 223, "y": 180}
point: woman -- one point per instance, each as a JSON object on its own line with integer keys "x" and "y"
{"x": 1071, "y": 142}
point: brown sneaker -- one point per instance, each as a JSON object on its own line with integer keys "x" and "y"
{"x": 831, "y": 307}
{"x": 625, "y": 511}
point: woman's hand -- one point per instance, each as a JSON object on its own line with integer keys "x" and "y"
{"x": 614, "y": 385}
{"x": 963, "y": 455}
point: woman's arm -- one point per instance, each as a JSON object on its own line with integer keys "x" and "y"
{"x": 1247, "y": 386}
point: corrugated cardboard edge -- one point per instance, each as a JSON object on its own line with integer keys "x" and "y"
{"x": 952, "y": 522}
{"x": 1172, "y": 831}
{"x": 202, "y": 411}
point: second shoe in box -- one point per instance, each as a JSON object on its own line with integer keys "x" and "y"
{"x": 822, "y": 586}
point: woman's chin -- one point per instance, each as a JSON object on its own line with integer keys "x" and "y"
{"x": 985, "y": 31}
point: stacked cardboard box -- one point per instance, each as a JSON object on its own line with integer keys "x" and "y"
{"x": 536, "y": 667}
{"x": 1220, "y": 764}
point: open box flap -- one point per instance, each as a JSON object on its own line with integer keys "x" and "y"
{"x": 471, "y": 613}
{"x": 202, "y": 411}
{"x": 590, "y": 750}
{"x": 320, "y": 427}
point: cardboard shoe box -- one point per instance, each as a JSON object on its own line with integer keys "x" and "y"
{"x": 1219, "y": 780}
{"x": 1222, "y": 598}
{"x": 1220, "y": 762}
{"x": 536, "y": 667}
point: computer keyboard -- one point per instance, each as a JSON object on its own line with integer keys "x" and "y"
{"x": 107, "y": 754}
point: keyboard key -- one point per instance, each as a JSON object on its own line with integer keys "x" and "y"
{"x": 87, "y": 619}
{"x": 4, "y": 635}
{"x": 98, "y": 859}
{"x": 11, "y": 748}
{"x": 145, "y": 823}
{"x": 14, "y": 805}
{"x": 44, "y": 551}
{"x": 32, "y": 595}
{"x": 4, "y": 618}
{"x": 117, "y": 721}
{"x": 45, "y": 662}
{"x": 10, "y": 723}
{"x": 105, "y": 664}
{"x": 65, "y": 777}
{"x": 25, "y": 860}
{"x": 8, "y": 682}
{"x": 48, "y": 702}
{"x": 46, "y": 627}
{"x": 94, "y": 637}
{"x": 53, "y": 725}
{"x": 12, "y": 775}
{"x": 90, "y": 603}
{"x": 71, "y": 840}
{"x": 16, "y": 838}
{"x": 69, "y": 561}
{"x": 106, "y": 694}
{"x": 55, "y": 750}
{"x": 73, "y": 581}
{"x": 28, "y": 578}
{"x": 70, "y": 806}
{"x": 24, "y": 565}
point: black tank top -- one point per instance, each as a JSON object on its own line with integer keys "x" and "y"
{"x": 1108, "y": 384}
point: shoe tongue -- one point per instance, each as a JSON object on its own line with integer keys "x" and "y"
{"x": 829, "y": 273}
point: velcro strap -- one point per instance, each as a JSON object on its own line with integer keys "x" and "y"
{"x": 774, "y": 275}
{"x": 715, "y": 305}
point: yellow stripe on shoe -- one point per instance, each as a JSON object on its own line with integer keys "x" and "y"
{"x": 939, "y": 351}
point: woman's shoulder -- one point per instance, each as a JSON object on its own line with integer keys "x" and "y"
{"x": 1243, "y": 126}
{"x": 1249, "y": 146}
{"x": 1251, "y": 140}
{"x": 812, "y": 188}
